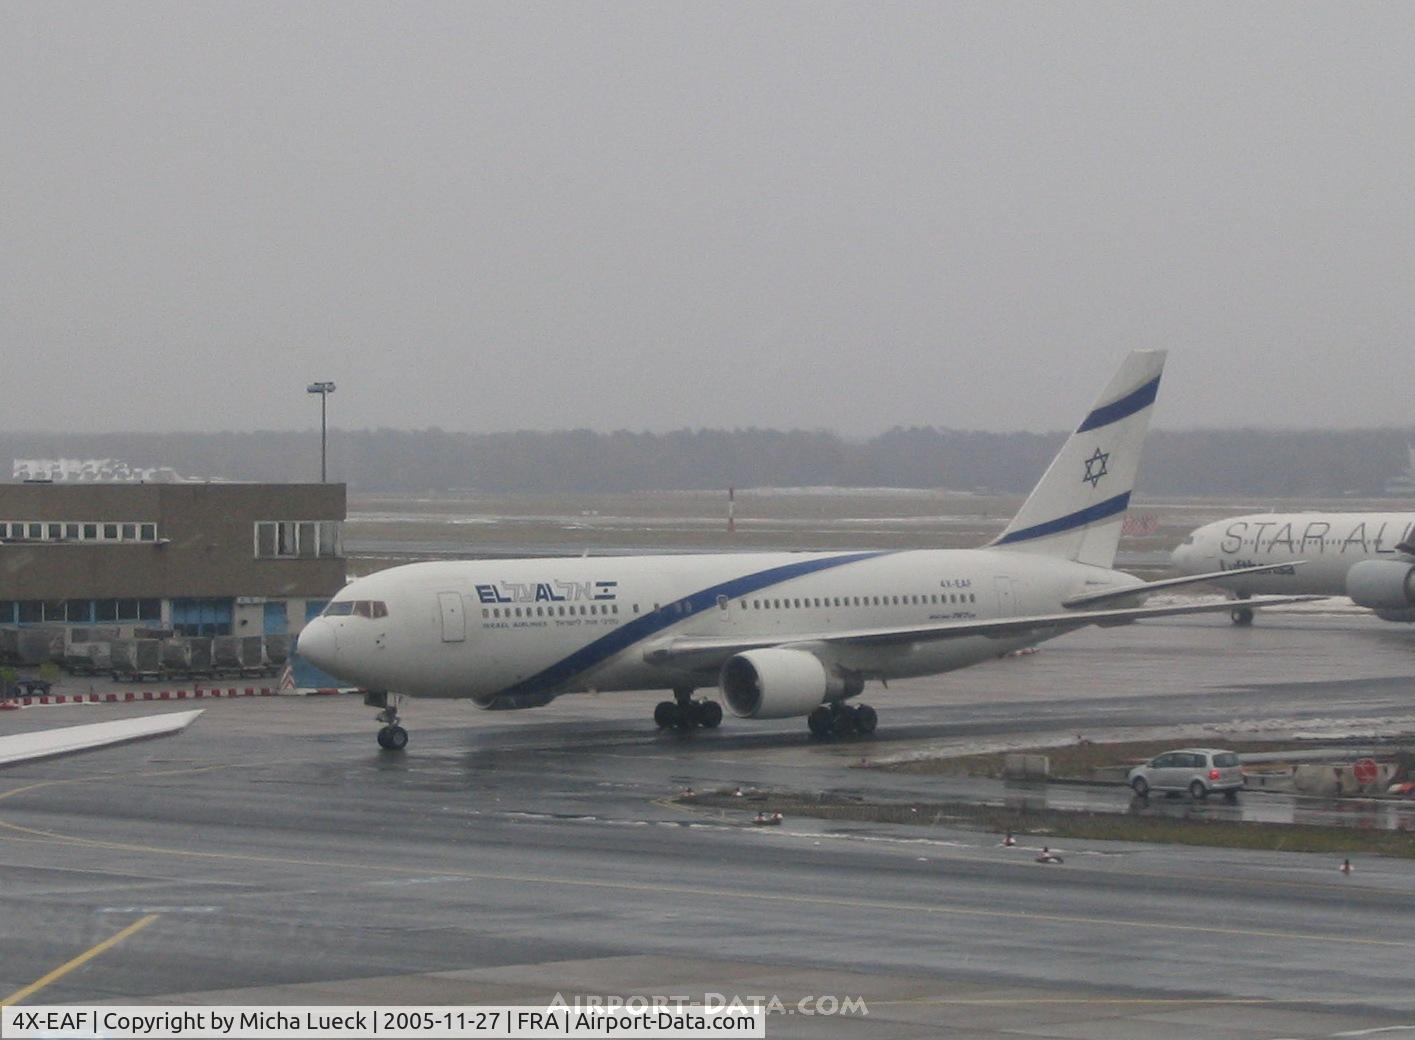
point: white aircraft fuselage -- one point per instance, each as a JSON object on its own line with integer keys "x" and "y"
{"x": 1366, "y": 556}
{"x": 518, "y": 630}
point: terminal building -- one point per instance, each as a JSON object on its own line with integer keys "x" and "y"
{"x": 197, "y": 559}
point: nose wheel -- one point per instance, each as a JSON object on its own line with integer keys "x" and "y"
{"x": 392, "y": 737}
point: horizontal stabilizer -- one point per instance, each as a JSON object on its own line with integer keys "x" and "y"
{"x": 1092, "y": 599}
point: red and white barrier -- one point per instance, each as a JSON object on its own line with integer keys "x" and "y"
{"x": 143, "y": 695}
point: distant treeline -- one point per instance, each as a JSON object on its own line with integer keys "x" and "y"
{"x": 1188, "y": 462}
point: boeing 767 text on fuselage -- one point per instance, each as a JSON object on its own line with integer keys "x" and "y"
{"x": 778, "y": 634}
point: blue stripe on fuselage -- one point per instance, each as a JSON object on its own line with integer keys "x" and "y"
{"x": 1127, "y": 405}
{"x": 626, "y": 635}
{"x": 1080, "y": 518}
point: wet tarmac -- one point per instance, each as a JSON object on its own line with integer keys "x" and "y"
{"x": 509, "y": 857}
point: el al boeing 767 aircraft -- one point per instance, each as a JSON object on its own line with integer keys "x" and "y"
{"x": 1369, "y": 557}
{"x": 779, "y": 634}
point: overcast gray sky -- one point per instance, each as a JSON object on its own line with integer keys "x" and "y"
{"x": 486, "y": 216}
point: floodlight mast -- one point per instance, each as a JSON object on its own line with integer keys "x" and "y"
{"x": 324, "y": 389}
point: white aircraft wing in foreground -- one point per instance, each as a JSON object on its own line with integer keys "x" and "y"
{"x": 69, "y": 740}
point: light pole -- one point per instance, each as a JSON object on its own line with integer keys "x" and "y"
{"x": 324, "y": 390}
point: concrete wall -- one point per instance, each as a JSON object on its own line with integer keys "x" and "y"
{"x": 206, "y": 546}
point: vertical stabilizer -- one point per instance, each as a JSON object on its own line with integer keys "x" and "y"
{"x": 1077, "y": 509}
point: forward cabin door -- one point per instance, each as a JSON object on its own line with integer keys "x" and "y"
{"x": 454, "y": 620}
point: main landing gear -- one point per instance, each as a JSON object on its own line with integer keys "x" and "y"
{"x": 1242, "y": 616}
{"x": 684, "y": 713}
{"x": 842, "y": 720}
{"x": 392, "y": 737}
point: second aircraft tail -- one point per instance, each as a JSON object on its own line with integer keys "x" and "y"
{"x": 1078, "y": 508}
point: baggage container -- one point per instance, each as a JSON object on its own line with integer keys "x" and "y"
{"x": 277, "y": 652}
{"x": 34, "y": 646}
{"x": 253, "y": 655}
{"x": 89, "y": 657}
{"x": 136, "y": 659}
{"x": 186, "y": 657}
{"x": 199, "y": 656}
{"x": 226, "y": 655}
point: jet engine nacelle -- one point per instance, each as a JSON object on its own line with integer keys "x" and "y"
{"x": 1387, "y": 585}
{"x": 779, "y": 684}
{"x": 1406, "y": 616}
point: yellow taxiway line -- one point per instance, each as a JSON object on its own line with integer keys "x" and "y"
{"x": 78, "y": 962}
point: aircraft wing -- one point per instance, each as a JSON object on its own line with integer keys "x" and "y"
{"x": 1093, "y": 599}
{"x": 682, "y": 649}
{"x": 53, "y": 743}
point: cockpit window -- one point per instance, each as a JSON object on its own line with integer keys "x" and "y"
{"x": 365, "y": 608}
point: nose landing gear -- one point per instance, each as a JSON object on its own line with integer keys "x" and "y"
{"x": 1242, "y": 616}
{"x": 392, "y": 737}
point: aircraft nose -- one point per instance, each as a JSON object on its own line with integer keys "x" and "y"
{"x": 319, "y": 644}
{"x": 1182, "y": 558}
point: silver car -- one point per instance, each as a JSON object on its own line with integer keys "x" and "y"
{"x": 1200, "y": 771}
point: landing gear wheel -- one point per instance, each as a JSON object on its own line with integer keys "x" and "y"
{"x": 393, "y": 738}
{"x": 684, "y": 713}
{"x": 842, "y": 720}
{"x": 1198, "y": 791}
{"x": 1241, "y": 615}
{"x": 865, "y": 718}
{"x": 1141, "y": 787}
{"x": 821, "y": 722}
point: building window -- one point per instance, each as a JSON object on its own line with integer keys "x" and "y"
{"x": 198, "y": 617}
{"x": 297, "y": 539}
{"x": 77, "y": 531}
{"x": 30, "y": 611}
